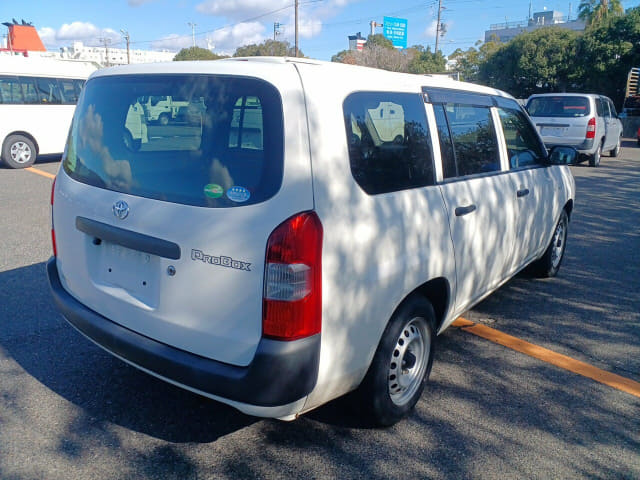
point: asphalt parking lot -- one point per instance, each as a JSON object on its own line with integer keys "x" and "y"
{"x": 70, "y": 410}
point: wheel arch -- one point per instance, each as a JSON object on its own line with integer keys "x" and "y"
{"x": 438, "y": 292}
{"x": 568, "y": 207}
{"x": 24, "y": 134}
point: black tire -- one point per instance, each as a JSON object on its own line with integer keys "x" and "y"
{"x": 18, "y": 152}
{"x": 549, "y": 264}
{"x": 616, "y": 151}
{"x": 594, "y": 160}
{"x": 163, "y": 119}
{"x": 401, "y": 365}
{"x": 129, "y": 142}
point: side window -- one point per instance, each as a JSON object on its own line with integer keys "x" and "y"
{"x": 246, "y": 124}
{"x": 612, "y": 108}
{"x": 68, "y": 91}
{"x": 48, "y": 90}
{"x": 446, "y": 145}
{"x": 600, "y": 108}
{"x": 29, "y": 90}
{"x": 389, "y": 146}
{"x": 524, "y": 148}
{"x": 10, "y": 91}
{"x": 474, "y": 140}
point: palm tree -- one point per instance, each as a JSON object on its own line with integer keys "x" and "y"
{"x": 594, "y": 11}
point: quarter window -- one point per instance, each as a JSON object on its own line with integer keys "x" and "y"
{"x": 389, "y": 147}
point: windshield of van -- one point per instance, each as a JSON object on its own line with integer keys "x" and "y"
{"x": 560, "y": 106}
{"x": 204, "y": 140}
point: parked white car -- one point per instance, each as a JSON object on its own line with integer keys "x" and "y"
{"x": 587, "y": 122}
{"x": 312, "y": 237}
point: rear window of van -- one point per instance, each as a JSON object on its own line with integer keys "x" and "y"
{"x": 560, "y": 106}
{"x": 203, "y": 140}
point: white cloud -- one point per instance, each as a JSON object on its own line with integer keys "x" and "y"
{"x": 84, "y": 32}
{"x": 431, "y": 29}
{"x": 227, "y": 40}
{"x": 240, "y": 9}
{"x": 173, "y": 42}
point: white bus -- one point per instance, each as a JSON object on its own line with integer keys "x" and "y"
{"x": 37, "y": 100}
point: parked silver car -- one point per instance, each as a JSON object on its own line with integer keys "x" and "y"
{"x": 587, "y": 122}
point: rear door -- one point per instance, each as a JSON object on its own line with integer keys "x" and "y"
{"x": 476, "y": 193}
{"x": 560, "y": 119}
{"x": 165, "y": 233}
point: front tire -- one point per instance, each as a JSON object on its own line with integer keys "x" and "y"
{"x": 549, "y": 264}
{"x": 402, "y": 363}
{"x": 18, "y": 152}
{"x": 163, "y": 119}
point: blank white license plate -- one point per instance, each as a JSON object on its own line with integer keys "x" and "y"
{"x": 553, "y": 131}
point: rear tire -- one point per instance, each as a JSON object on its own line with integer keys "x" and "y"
{"x": 549, "y": 264}
{"x": 616, "y": 151}
{"x": 401, "y": 365}
{"x": 18, "y": 152}
{"x": 594, "y": 160}
{"x": 163, "y": 119}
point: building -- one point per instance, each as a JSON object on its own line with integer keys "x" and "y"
{"x": 116, "y": 56}
{"x": 356, "y": 42}
{"x": 23, "y": 39}
{"x": 504, "y": 32}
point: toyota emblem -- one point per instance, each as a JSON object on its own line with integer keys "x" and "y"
{"x": 121, "y": 209}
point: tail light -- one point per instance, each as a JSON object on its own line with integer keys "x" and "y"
{"x": 53, "y": 232}
{"x": 591, "y": 128}
{"x": 292, "y": 298}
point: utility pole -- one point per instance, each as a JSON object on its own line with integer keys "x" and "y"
{"x": 297, "y": 50}
{"x": 193, "y": 32}
{"x": 106, "y": 42}
{"x": 276, "y": 30}
{"x": 438, "y": 24}
{"x": 126, "y": 36}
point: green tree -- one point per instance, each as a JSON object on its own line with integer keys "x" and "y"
{"x": 345, "y": 56}
{"x": 595, "y": 11}
{"x": 607, "y": 51}
{"x": 379, "y": 40}
{"x": 424, "y": 61}
{"x": 540, "y": 61}
{"x": 468, "y": 62}
{"x": 268, "y": 48}
{"x": 196, "y": 53}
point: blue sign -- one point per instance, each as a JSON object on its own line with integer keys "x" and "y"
{"x": 395, "y": 29}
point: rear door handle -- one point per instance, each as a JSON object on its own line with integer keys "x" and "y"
{"x": 522, "y": 193}
{"x": 460, "y": 211}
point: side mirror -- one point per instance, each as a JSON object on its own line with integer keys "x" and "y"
{"x": 561, "y": 155}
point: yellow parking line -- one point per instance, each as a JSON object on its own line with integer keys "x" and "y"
{"x": 40, "y": 172}
{"x": 567, "y": 363}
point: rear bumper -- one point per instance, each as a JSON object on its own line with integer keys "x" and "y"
{"x": 587, "y": 147}
{"x": 280, "y": 373}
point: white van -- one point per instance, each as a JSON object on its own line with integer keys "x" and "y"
{"x": 310, "y": 237}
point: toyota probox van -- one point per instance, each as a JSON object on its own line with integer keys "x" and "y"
{"x": 587, "y": 122}
{"x": 309, "y": 236}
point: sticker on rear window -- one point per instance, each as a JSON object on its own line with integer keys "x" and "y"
{"x": 213, "y": 190}
{"x": 238, "y": 194}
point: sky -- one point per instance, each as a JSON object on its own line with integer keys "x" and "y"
{"x": 224, "y": 25}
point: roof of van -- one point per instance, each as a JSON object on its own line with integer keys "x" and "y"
{"x": 34, "y": 66}
{"x": 333, "y": 72}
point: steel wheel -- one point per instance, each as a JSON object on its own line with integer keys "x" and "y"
{"x": 409, "y": 361}
{"x": 557, "y": 244}
{"x": 21, "y": 152}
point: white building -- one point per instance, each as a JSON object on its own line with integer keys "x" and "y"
{"x": 504, "y": 32}
{"x": 117, "y": 56}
